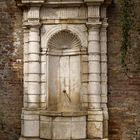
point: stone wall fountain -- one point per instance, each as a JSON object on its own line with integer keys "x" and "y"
{"x": 65, "y": 70}
{"x": 64, "y": 117}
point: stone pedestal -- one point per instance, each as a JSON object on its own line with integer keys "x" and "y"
{"x": 30, "y": 123}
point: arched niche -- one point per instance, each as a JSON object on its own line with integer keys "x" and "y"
{"x": 49, "y": 31}
{"x": 64, "y": 72}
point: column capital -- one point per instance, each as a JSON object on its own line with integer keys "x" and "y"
{"x": 104, "y": 24}
{"x": 94, "y": 2}
{"x": 32, "y": 17}
{"x": 31, "y": 25}
{"x": 94, "y": 26}
{"x": 25, "y": 28}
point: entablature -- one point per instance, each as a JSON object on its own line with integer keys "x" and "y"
{"x": 62, "y": 2}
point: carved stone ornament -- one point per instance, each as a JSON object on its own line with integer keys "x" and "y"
{"x": 64, "y": 40}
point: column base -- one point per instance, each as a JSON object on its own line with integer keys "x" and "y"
{"x": 95, "y": 125}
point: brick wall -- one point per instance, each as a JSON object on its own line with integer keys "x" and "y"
{"x": 123, "y": 91}
{"x": 10, "y": 70}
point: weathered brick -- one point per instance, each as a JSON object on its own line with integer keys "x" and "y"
{"x": 123, "y": 91}
{"x": 10, "y": 81}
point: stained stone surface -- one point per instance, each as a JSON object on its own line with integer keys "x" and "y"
{"x": 123, "y": 92}
{"x": 65, "y": 70}
{"x": 63, "y": 127}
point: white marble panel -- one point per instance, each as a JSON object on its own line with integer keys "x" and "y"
{"x": 64, "y": 13}
{"x": 95, "y": 57}
{"x": 33, "y": 98}
{"x": 34, "y": 57}
{"x": 97, "y": 128}
{"x": 34, "y": 88}
{"x": 43, "y": 67}
{"x": 76, "y": 134}
{"x": 104, "y": 67}
{"x": 34, "y": 47}
{"x": 104, "y": 98}
{"x": 93, "y": 47}
{"x": 25, "y": 68}
{"x": 104, "y": 57}
{"x": 31, "y": 128}
{"x": 43, "y": 78}
{"x": 59, "y": 127}
{"x": 43, "y": 98}
{"x": 84, "y": 78}
{"x": 94, "y": 88}
{"x": 93, "y": 35}
{"x": 34, "y": 67}
{"x": 85, "y": 67}
{"x": 53, "y": 82}
{"x": 94, "y": 67}
{"x": 25, "y": 57}
{"x": 95, "y": 98}
{"x": 34, "y": 35}
{"x": 43, "y": 88}
{"x": 94, "y": 77}
{"x": 64, "y": 83}
{"x": 33, "y": 78}
{"x": 31, "y": 117}
{"x": 45, "y": 130}
{"x": 75, "y": 80}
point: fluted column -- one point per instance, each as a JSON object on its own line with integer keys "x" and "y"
{"x": 34, "y": 68}
{"x": 95, "y": 115}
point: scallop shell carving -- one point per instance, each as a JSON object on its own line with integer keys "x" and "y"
{"x": 64, "y": 40}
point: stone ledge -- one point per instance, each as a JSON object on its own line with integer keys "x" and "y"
{"x": 22, "y": 138}
{"x": 32, "y": 1}
{"x": 56, "y": 113}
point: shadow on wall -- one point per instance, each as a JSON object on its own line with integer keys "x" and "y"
{"x": 10, "y": 70}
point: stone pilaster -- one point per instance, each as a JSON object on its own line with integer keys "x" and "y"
{"x": 103, "y": 36}
{"x": 25, "y": 70}
{"x": 95, "y": 115}
{"x": 34, "y": 68}
{"x": 32, "y": 72}
{"x": 43, "y": 95}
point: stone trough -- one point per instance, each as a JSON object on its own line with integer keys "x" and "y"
{"x": 62, "y": 125}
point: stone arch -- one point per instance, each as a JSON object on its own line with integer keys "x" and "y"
{"x": 53, "y": 29}
{"x": 64, "y": 39}
{"x": 64, "y": 71}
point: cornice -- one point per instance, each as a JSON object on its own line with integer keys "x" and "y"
{"x": 93, "y": 2}
{"x": 62, "y": 2}
{"x": 107, "y": 2}
{"x": 33, "y": 1}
